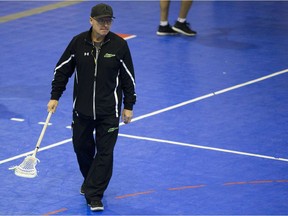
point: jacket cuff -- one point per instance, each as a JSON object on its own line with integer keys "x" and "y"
{"x": 128, "y": 106}
{"x": 54, "y": 97}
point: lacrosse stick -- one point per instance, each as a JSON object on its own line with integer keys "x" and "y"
{"x": 27, "y": 168}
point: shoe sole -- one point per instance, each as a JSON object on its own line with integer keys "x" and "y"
{"x": 183, "y": 32}
{"x": 166, "y": 34}
{"x": 96, "y": 208}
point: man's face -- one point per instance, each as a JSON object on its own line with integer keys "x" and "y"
{"x": 101, "y": 26}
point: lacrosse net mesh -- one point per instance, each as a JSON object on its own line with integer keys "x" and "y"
{"x": 27, "y": 168}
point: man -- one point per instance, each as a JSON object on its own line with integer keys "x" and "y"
{"x": 180, "y": 26}
{"x": 104, "y": 74}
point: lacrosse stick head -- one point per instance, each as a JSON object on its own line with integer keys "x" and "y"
{"x": 27, "y": 168}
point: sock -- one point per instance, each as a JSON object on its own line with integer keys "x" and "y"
{"x": 163, "y": 23}
{"x": 182, "y": 20}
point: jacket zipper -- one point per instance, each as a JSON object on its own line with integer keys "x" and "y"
{"x": 95, "y": 74}
{"x": 94, "y": 84}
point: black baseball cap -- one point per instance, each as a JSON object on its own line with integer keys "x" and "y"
{"x": 102, "y": 10}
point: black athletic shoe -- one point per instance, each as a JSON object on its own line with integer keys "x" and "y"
{"x": 96, "y": 205}
{"x": 184, "y": 28}
{"x": 166, "y": 30}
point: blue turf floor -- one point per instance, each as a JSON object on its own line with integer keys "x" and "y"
{"x": 215, "y": 155}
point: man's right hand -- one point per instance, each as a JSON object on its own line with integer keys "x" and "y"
{"x": 52, "y": 105}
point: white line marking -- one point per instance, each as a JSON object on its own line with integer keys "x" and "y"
{"x": 40, "y": 149}
{"x": 171, "y": 107}
{"x": 17, "y": 119}
{"x": 129, "y": 37}
{"x": 42, "y": 123}
{"x": 174, "y": 107}
{"x": 210, "y": 95}
{"x": 251, "y": 82}
{"x": 203, "y": 147}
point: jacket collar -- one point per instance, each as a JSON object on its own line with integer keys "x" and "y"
{"x": 88, "y": 37}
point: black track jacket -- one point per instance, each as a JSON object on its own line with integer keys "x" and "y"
{"x": 102, "y": 75}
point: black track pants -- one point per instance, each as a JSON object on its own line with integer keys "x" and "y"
{"x": 95, "y": 168}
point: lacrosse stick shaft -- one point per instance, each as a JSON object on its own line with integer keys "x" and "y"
{"x": 42, "y": 134}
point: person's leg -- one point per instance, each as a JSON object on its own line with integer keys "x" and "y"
{"x": 184, "y": 9}
{"x": 181, "y": 26}
{"x": 164, "y": 10}
{"x": 100, "y": 172}
{"x": 164, "y": 27}
{"x": 83, "y": 142}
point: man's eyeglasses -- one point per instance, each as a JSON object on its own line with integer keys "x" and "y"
{"x": 104, "y": 21}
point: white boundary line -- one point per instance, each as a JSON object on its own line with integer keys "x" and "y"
{"x": 17, "y": 119}
{"x": 203, "y": 147}
{"x": 210, "y": 95}
{"x": 171, "y": 108}
{"x": 40, "y": 149}
{"x": 130, "y": 37}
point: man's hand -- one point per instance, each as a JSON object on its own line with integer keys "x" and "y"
{"x": 127, "y": 116}
{"x": 52, "y": 105}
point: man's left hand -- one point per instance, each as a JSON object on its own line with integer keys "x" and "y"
{"x": 127, "y": 116}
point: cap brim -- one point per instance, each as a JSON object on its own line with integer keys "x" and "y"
{"x": 101, "y": 16}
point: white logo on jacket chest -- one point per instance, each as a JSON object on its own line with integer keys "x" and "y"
{"x": 86, "y": 53}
